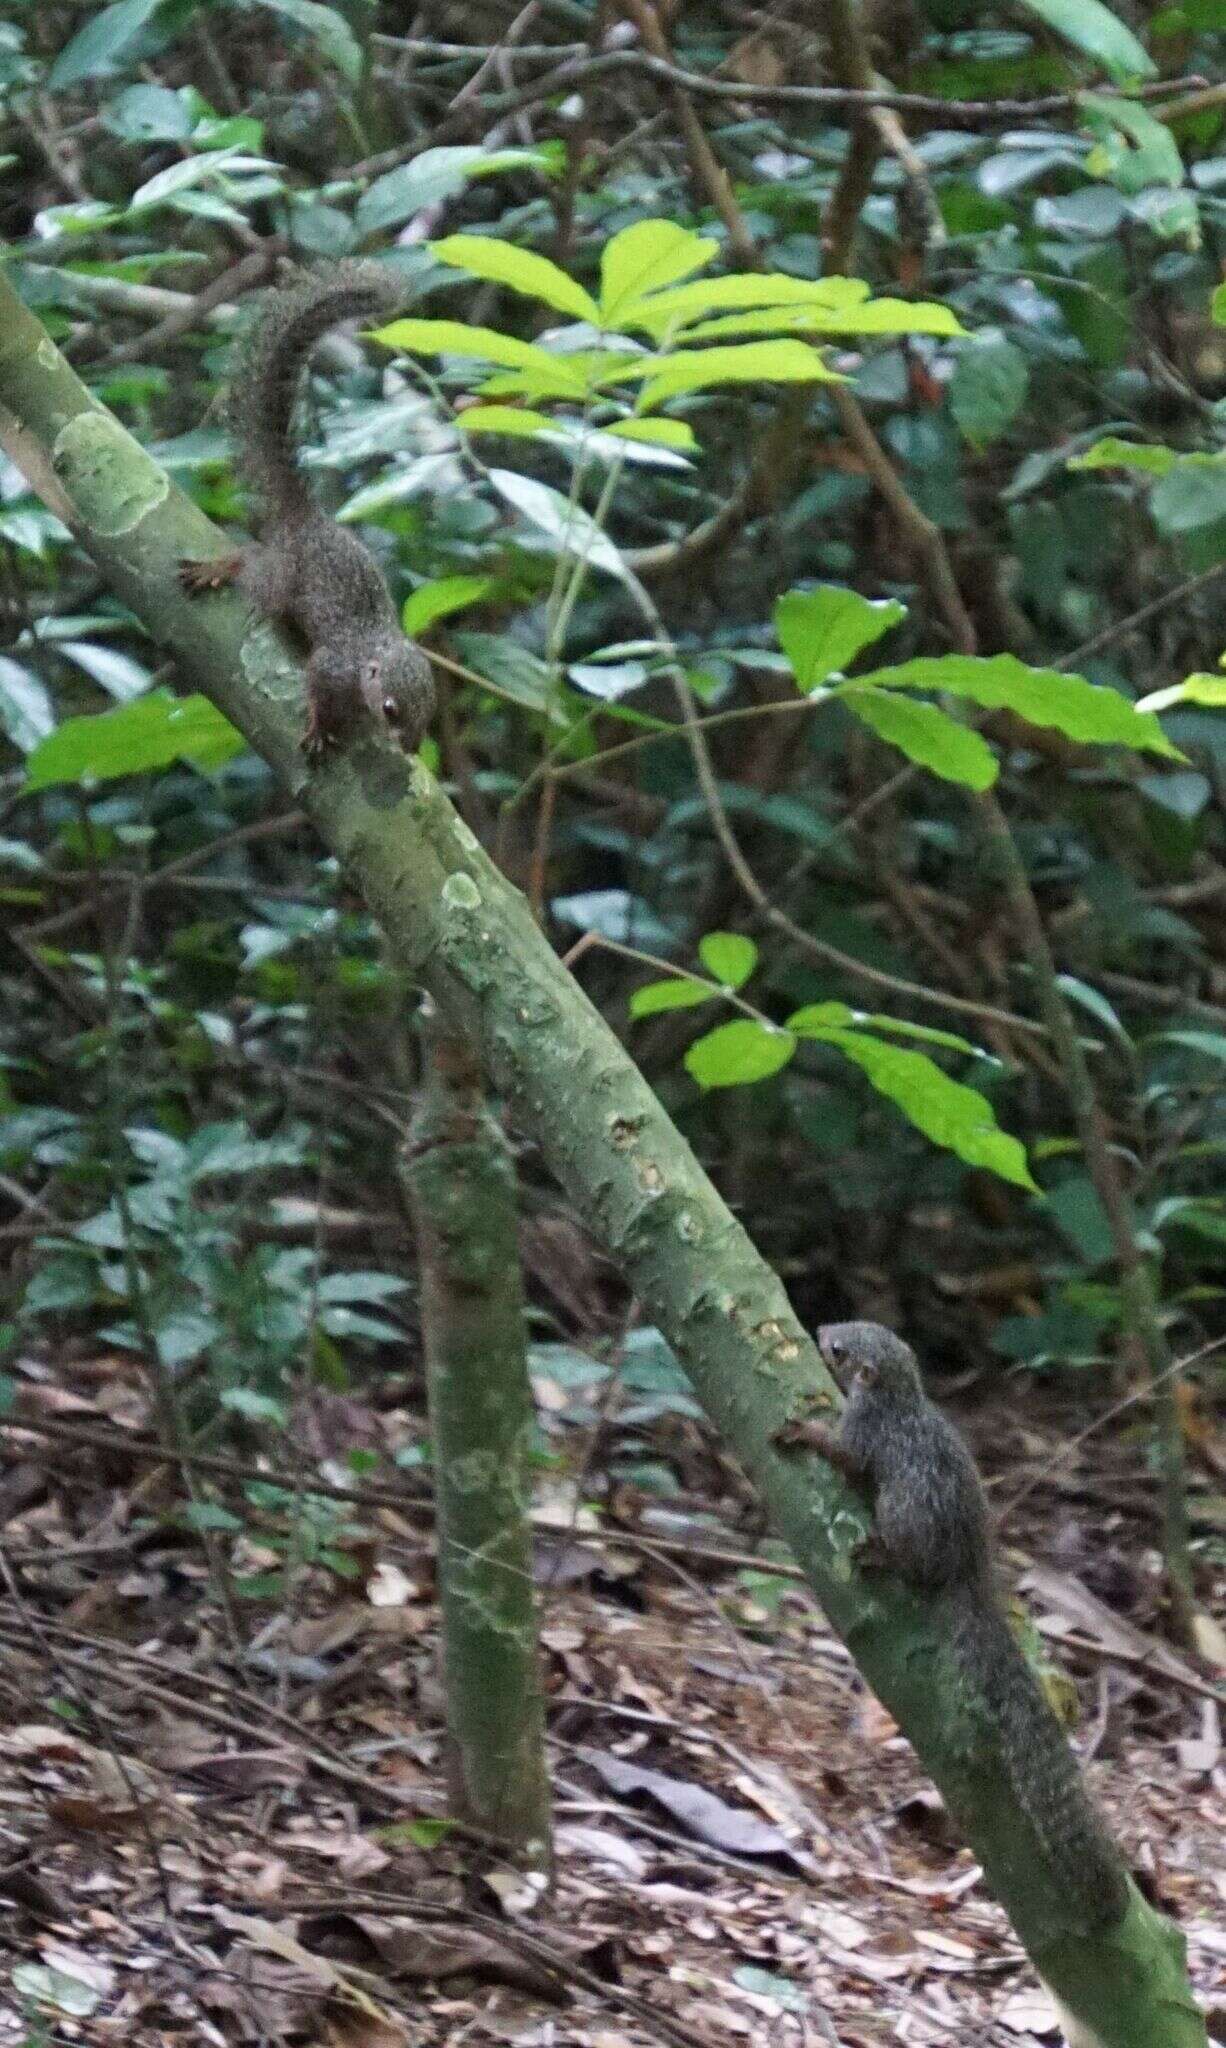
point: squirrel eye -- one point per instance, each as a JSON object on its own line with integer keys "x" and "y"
{"x": 390, "y": 707}
{"x": 836, "y": 1350}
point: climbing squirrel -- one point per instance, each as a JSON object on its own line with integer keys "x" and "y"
{"x": 315, "y": 578}
{"x": 931, "y": 1526}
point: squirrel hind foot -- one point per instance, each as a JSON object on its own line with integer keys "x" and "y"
{"x": 214, "y": 572}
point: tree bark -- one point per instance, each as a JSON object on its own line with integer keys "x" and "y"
{"x": 460, "y": 1184}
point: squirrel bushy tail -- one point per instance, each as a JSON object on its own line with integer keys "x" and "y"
{"x": 1037, "y": 1761}
{"x": 270, "y": 365}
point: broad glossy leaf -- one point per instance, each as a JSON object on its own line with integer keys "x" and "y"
{"x": 148, "y": 733}
{"x": 26, "y": 713}
{"x": 177, "y": 179}
{"x": 431, "y": 176}
{"x": 926, "y": 734}
{"x": 521, "y": 270}
{"x": 1098, "y": 32}
{"x": 1191, "y": 495}
{"x": 822, "y": 630}
{"x": 149, "y": 113}
{"x": 1134, "y": 149}
{"x": 657, "y": 996}
{"x": 1094, "y": 1003}
{"x": 1211, "y": 1043}
{"x": 644, "y": 259}
{"x": 988, "y": 389}
{"x": 569, "y": 526}
{"x": 608, "y": 680}
{"x": 328, "y": 29}
{"x": 119, "y": 675}
{"x": 735, "y": 1054}
{"x": 729, "y": 956}
{"x": 1043, "y": 696}
{"x": 102, "y": 45}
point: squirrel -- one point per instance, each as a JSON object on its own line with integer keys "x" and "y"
{"x": 931, "y": 1526}
{"x": 310, "y": 574}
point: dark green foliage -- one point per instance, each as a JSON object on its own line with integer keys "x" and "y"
{"x": 1048, "y": 388}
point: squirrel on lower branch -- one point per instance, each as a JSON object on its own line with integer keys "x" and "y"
{"x": 931, "y": 1526}
{"x": 312, "y": 576}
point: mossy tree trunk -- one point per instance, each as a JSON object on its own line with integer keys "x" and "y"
{"x": 455, "y": 925}
{"x": 460, "y": 1184}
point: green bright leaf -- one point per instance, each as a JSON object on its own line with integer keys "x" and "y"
{"x": 925, "y": 734}
{"x": 729, "y": 956}
{"x": 660, "y": 433}
{"x": 735, "y": 1054}
{"x": 1217, "y": 305}
{"x": 480, "y": 344}
{"x": 758, "y": 362}
{"x": 959, "y": 1119}
{"x": 821, "y": 631}
{"x": 1201, "y": 688}
{"x": 817, "y": 1018}
{"x": 502, "y": 419}
{"x": 656, "y": 996}
{"x": 1112, "y": 453}
{"x": 876, "y": 316}
{"x": 668, "y": 312}
{"x": 1043, "y": 696}
{"x": 645, "y": 258}
{"x": 149, "y": 733}
{"x": 1098, "y": 32}
{"x": 576, "y": 375}
{"x": 521, "y": 270}
{"x": 439, "y": 599}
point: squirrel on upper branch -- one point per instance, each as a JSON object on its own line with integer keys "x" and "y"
{"x": 931, "y": 1526}
{"x": 310, "y": 574}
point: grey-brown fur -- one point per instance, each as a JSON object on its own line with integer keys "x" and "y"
{"x": 932, "y": 1526}
{"x": 315, "y": 577}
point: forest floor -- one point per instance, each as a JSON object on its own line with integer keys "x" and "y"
{"x": 230, "y": 1830}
